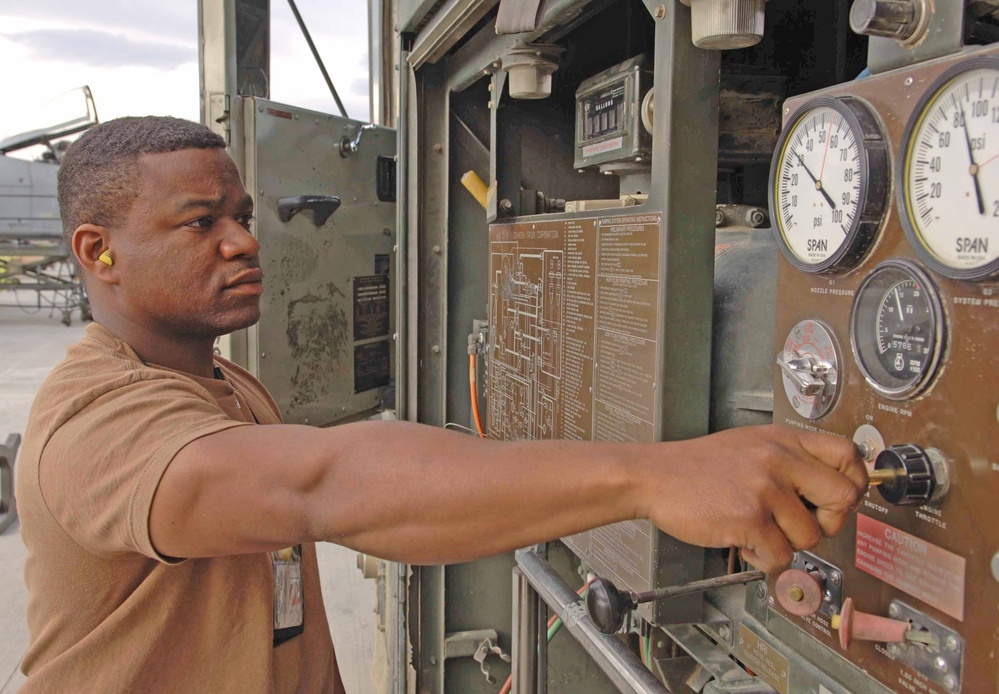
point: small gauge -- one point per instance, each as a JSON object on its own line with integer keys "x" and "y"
{"x": 829, "y": 184}
{"x": 948, "y": 172}
{"x": 809, "y": 364}
{"x": 897, "y": 329}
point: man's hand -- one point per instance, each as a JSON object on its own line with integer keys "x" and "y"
{"x": 745, "y": 488}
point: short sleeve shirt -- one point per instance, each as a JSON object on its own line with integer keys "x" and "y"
{"x": 106, "y": 612}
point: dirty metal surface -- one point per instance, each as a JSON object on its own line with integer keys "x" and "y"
{"x": 323, "y": 346}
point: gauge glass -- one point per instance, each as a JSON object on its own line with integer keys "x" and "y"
{"x": 897, "y": 329}
{"x": 819, "y": 183}
{"x": 950, "y": 172}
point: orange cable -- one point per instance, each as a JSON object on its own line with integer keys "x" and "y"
{"x": 474, "y": 394}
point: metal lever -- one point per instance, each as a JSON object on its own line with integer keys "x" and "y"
{"x": 348, "y": 146}
{"x": 607, "y": 605}
{"x": 322, "y": 207}
{"x": 807, "y": 372}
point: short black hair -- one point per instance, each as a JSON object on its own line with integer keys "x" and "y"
{"x": 99, "y": 179}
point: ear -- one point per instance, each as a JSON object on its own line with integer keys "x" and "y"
{"x": 88, "y": 243}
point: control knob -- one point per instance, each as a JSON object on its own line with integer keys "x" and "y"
{"x": 891, "y": 19}
{"x": 920, "y": 475}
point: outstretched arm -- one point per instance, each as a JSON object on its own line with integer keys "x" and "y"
{"x": 423, "y": 495}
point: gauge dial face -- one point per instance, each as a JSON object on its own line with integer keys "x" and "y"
{"x": 897, "y": 329}
{"x": 820, "y": 183}
{"x": 950, "y": 173}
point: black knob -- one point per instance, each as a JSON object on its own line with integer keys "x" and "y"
{"x": 915, "y": 480}
{"x": 607, "y": 606}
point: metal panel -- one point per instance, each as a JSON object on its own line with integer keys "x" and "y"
{"x": 326, "y": 317}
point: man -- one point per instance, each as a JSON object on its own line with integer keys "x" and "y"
{"x": 170, "y": 517}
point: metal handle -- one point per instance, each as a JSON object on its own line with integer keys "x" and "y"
{"x": 322, "y": 207}
{"x": 806, "y": 372}
{"x": 348, "y": 146}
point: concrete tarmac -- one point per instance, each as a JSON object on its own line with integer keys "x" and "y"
{"x": 30, "y": 345}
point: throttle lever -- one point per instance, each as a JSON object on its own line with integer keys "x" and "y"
{"x": 607, "y": 605}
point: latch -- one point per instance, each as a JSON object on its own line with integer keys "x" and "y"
{"x": 480, "y": 644}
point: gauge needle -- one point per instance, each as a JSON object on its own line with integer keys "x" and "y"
{"x": 898, "y": 302}
{"x": 818, "y": 184}
{"x": 974, "y": 167}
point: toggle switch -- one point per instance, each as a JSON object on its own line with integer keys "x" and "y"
{"x": 853, "y": 625}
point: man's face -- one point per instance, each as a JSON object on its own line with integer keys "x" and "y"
{"x": 187, "y": 262}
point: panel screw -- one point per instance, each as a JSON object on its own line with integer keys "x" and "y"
{"x": 306, "y": 420}
{"x": 437, "y": 250}
{"x": 433, "y": 660}
{"x": 263, "y": 354}
{"x": 836, "y": 578}
{"x": 908, "y": 81}
{"x": 893, "y": 611}
{"x": 436, "y": 349}
{"x": 995, "y": 557}
{"x": 506, "y": 205}
{"x": 950, "y": 682}
{"x": 893, "y": 649}
{"x": 725, "y": 632}
{"x": 438, "y": 147}
{"x": 770, "y": 601}
{"x": 952, "y": 644}
{"x": 940, "y": 664}
{"x": 661, "y": 12}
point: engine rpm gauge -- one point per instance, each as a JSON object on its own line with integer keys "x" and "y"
{"x": 828, "y": 184}
{"x": 897, "y": 329}
{"x": 949, "y": 172}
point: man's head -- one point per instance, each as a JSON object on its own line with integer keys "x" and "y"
{"x": 162, "y": 198}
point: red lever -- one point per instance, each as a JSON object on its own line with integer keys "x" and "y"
{"x": 853, "y": 624}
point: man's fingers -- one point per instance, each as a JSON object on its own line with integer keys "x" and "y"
{"x": 800, "y": 527}
{"x": 838, "y": 453}
{"x": 770, "y": 550}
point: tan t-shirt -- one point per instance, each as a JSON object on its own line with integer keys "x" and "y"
{"x": 105, "y": 611}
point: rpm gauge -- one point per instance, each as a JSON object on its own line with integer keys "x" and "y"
{"x": 828, "y": 184}
{"x": 897, "y": 329}
{"x": 949, "y": 172}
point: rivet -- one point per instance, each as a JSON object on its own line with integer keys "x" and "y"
{"x": 437, "y": 250}
{"x": 893, "y": 649}
{"x": 436, "y": 349}
{"x": 263, "y": 354}
{"x": 725, "y": 632}
{"x": 438, "y": 147}
{"x": 770, "y": 601}
{"x": 306, "y": 420}
{"x": 940, "y": 663}
{"x": 893, "y": 611}
{"x": 433, "y": 660}
{"x": 836, "y": 578}
{"x": 952, "y": 644}
{"x": 908, "y": 82}
{"x": 950, "y": 682}
{"x": 995, "y": 566}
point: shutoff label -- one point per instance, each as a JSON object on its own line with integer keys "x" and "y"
{"x": 924, "y": 571}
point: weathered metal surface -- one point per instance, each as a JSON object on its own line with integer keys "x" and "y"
{"x": 8, "y": 503}
{"x": 323, "y": 344}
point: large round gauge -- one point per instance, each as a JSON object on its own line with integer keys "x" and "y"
{"x": 948, "y": 172}
{"x": 897, "y": 329}
{"x": 828, "y": 184}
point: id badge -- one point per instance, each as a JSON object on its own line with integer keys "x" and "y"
{"x": 289, "y": 603}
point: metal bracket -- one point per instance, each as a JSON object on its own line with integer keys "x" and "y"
{"x": 831, "y": 580}
{"x": 478, "y": 644}
{"x": 939, "y": 661}
{"x": 8, "y": 504}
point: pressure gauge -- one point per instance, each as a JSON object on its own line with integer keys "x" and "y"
{"x": 948, "y": 171}
{"x": 828, "y": 184}
{"x": 897, "y": 329}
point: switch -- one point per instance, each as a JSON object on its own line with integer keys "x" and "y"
{"x": 853, "y": 625}
{"x": 799, "y": 592}
{"x": 920, "y": 475}
{"x": 891, "y": 19}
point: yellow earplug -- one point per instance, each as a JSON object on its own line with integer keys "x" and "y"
{"x": 106, "y": 259}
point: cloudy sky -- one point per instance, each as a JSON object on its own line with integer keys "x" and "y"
{"x": 141, "y": 56}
